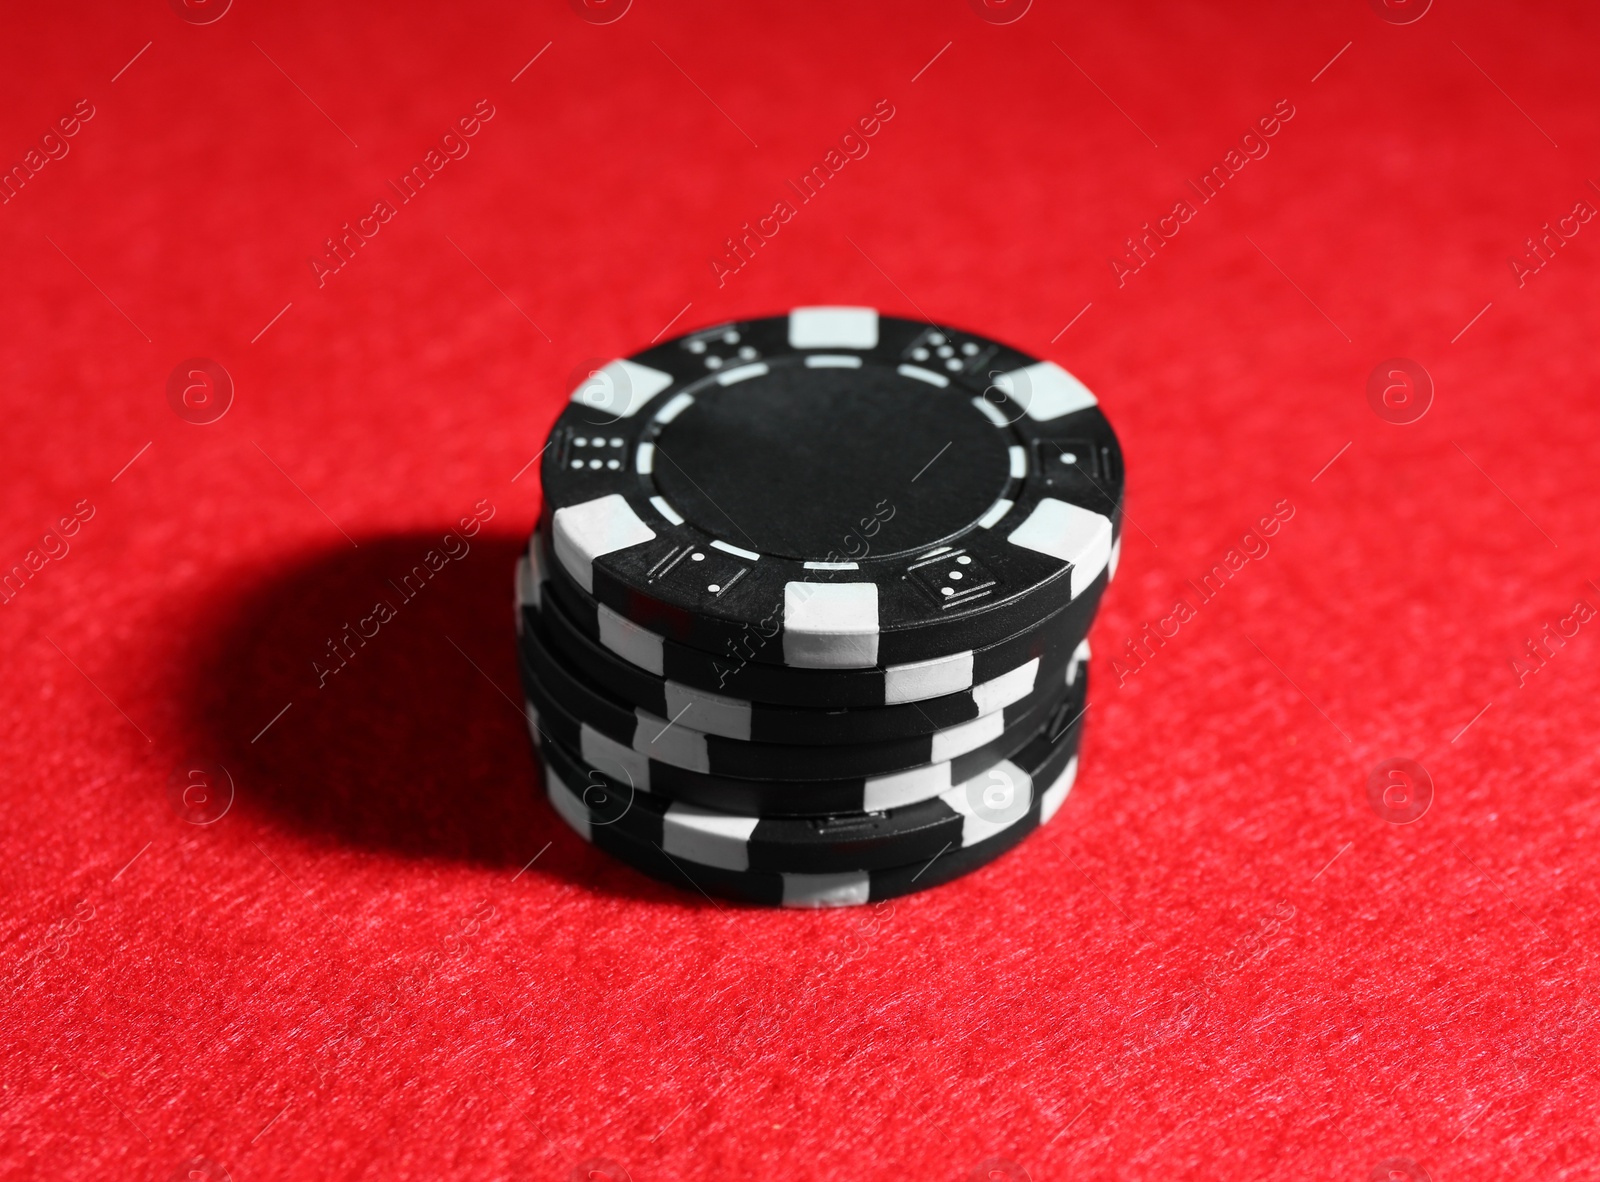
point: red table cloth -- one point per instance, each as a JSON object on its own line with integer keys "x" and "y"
{"x": 293, "y": 293}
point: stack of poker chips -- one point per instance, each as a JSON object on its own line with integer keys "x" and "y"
{"x": 804, "y": 618}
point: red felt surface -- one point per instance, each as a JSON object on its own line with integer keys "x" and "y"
{"x": 389, "y": 959}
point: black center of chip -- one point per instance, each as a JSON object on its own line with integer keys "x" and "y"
{"x": 802, "y": 462}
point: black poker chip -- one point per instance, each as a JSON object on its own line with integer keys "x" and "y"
{"x": 804, "y": 618}
{"x": 670, "y": 741}
{"x": 549, "y": 722}
{"x": 545, "y": 625}
{"x": 968, "y": 814}
{"x": 733, "y": 673}
{"x": 1048, "y": 787}
{"x": 833, "y": 489}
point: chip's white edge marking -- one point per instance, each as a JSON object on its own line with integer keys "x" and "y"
{"x": 1069, "y": 534}
{"x": 924, "y": 375}
{"x": 582, "y": 533}
{"x": 1045, "y": 391}
{"x": 527, "y": 589}
{"x": 832, "y": 361}
{"x": 1000, "y": 692}
{"x": 568, "y": 804}
{"x": 621, "y": 388}
{"x": 707, "y": 837}
{"x": 732, "y": 549}
{"x": 636, "y": 645}
{"x": 830, "y": 625}
{"x": 833, "y": 328}
{"x": 1019, "y": 463}
{"x": 644, "y": 461}
{"x": 1080, "y": 658}
{"x": 674, "y": 744}
{"x": 675, "y": 406}
{"x": 741, "y": 373}
{"x": 611, "y": 758}
{"x": 992, "y": 412}
{"x": 712, "y": 713}
{"x": 832, "y": 566}
{"x": 907, "y": 787}
{"x": 532, "y": 716}
{"x": 969, "y": 736}
{"x": 996, "y": 511}
{"x": 666, "y": 510}
{"x": 937, "y": 550}
{"x": 920, "y": 680}
{"x": 850, "y": 889}
{"x": 1016, "y": 797}
{"x": 1056, "y": 794}
{"x": 1116, "y": 557}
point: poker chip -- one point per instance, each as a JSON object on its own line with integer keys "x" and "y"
{"x": 804, "y": 618}
{"x": 969, "y": 813}
{"x": 545, "y": 623}
{"x": 1047, "y": 791}
{"x": 832, "y": 489}
{"x": 618, "y": 759}
{"x": 723, "y": 673}
{"x": 671, "y": 739}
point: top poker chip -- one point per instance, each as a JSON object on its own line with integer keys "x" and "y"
{"x": 833, "y": 489}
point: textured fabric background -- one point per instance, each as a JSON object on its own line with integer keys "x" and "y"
{"x": 388, "y": 959}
